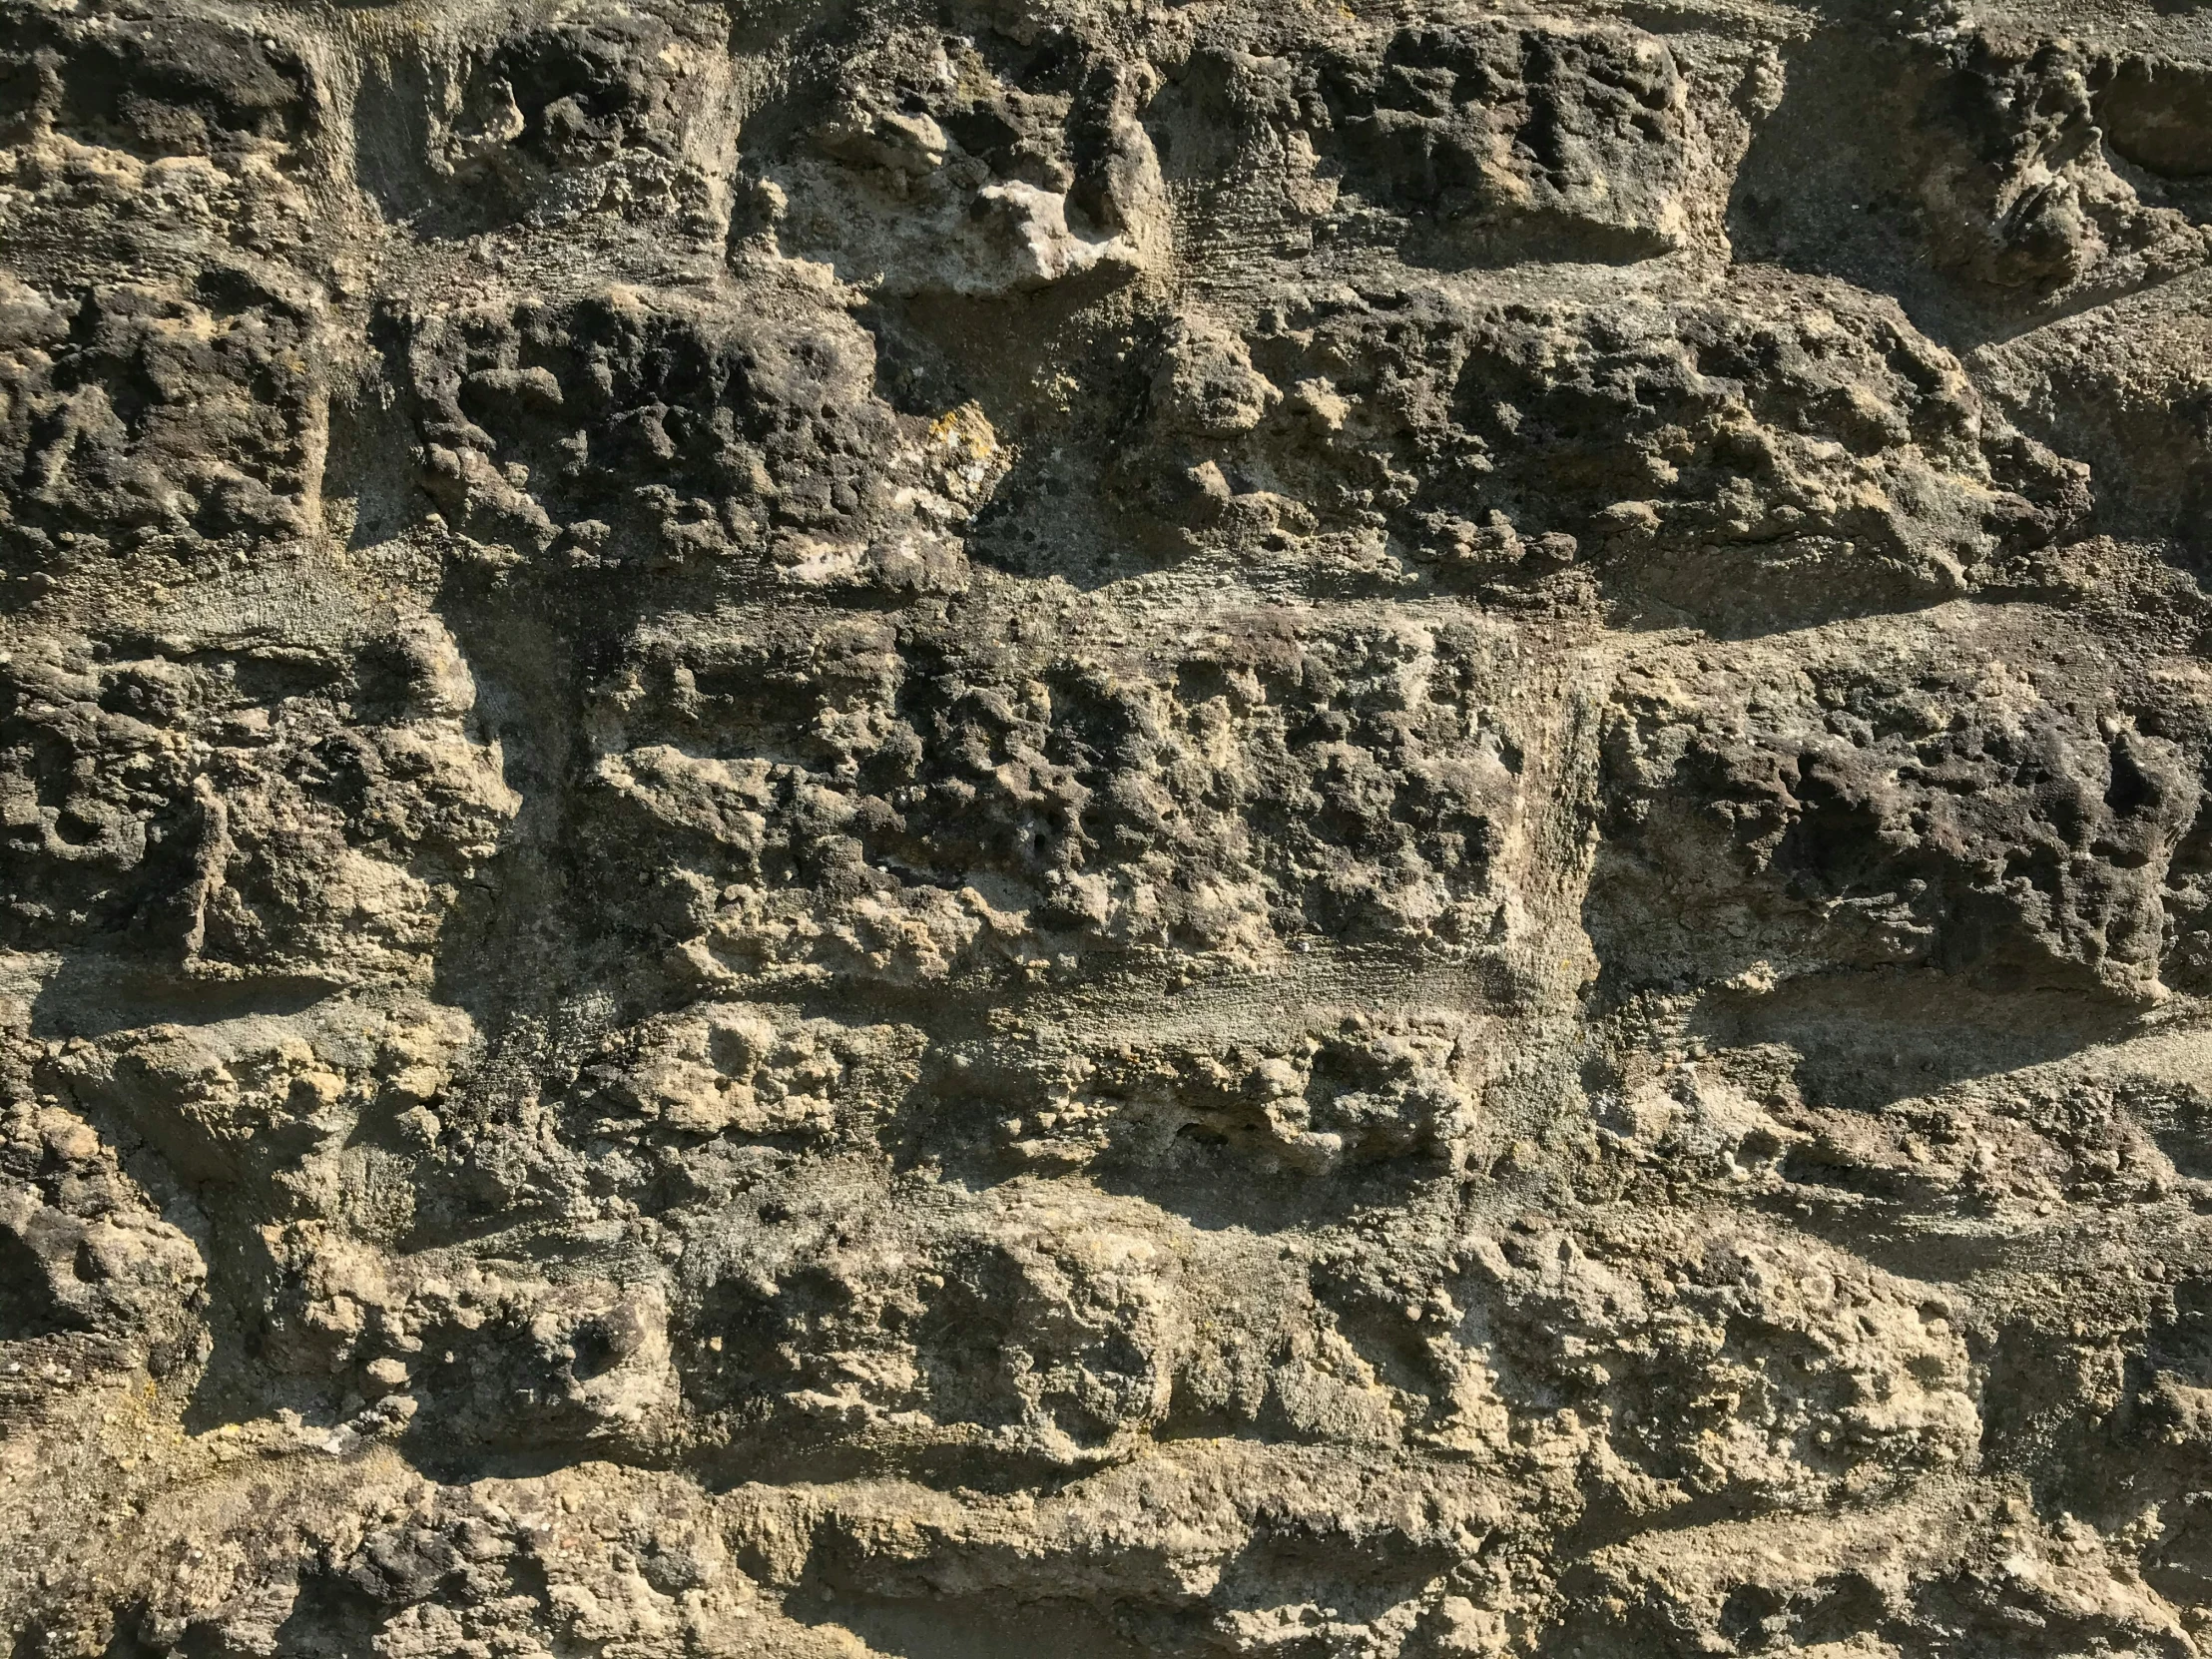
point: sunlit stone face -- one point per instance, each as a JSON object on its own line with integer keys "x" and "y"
{"x": 1104, "y": 831}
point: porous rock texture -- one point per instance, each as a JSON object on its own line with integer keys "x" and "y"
{"x": 982, "y": 829}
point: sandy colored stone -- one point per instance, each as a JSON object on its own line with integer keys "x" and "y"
{"x": 1069, "y": 831}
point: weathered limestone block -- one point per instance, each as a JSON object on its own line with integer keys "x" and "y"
{"x": 1044, "y": 828}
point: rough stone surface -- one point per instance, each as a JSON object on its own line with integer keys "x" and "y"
{"x": 1075, "y": 828}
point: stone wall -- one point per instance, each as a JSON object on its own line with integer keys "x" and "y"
{"x": 1015, "y": 831}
